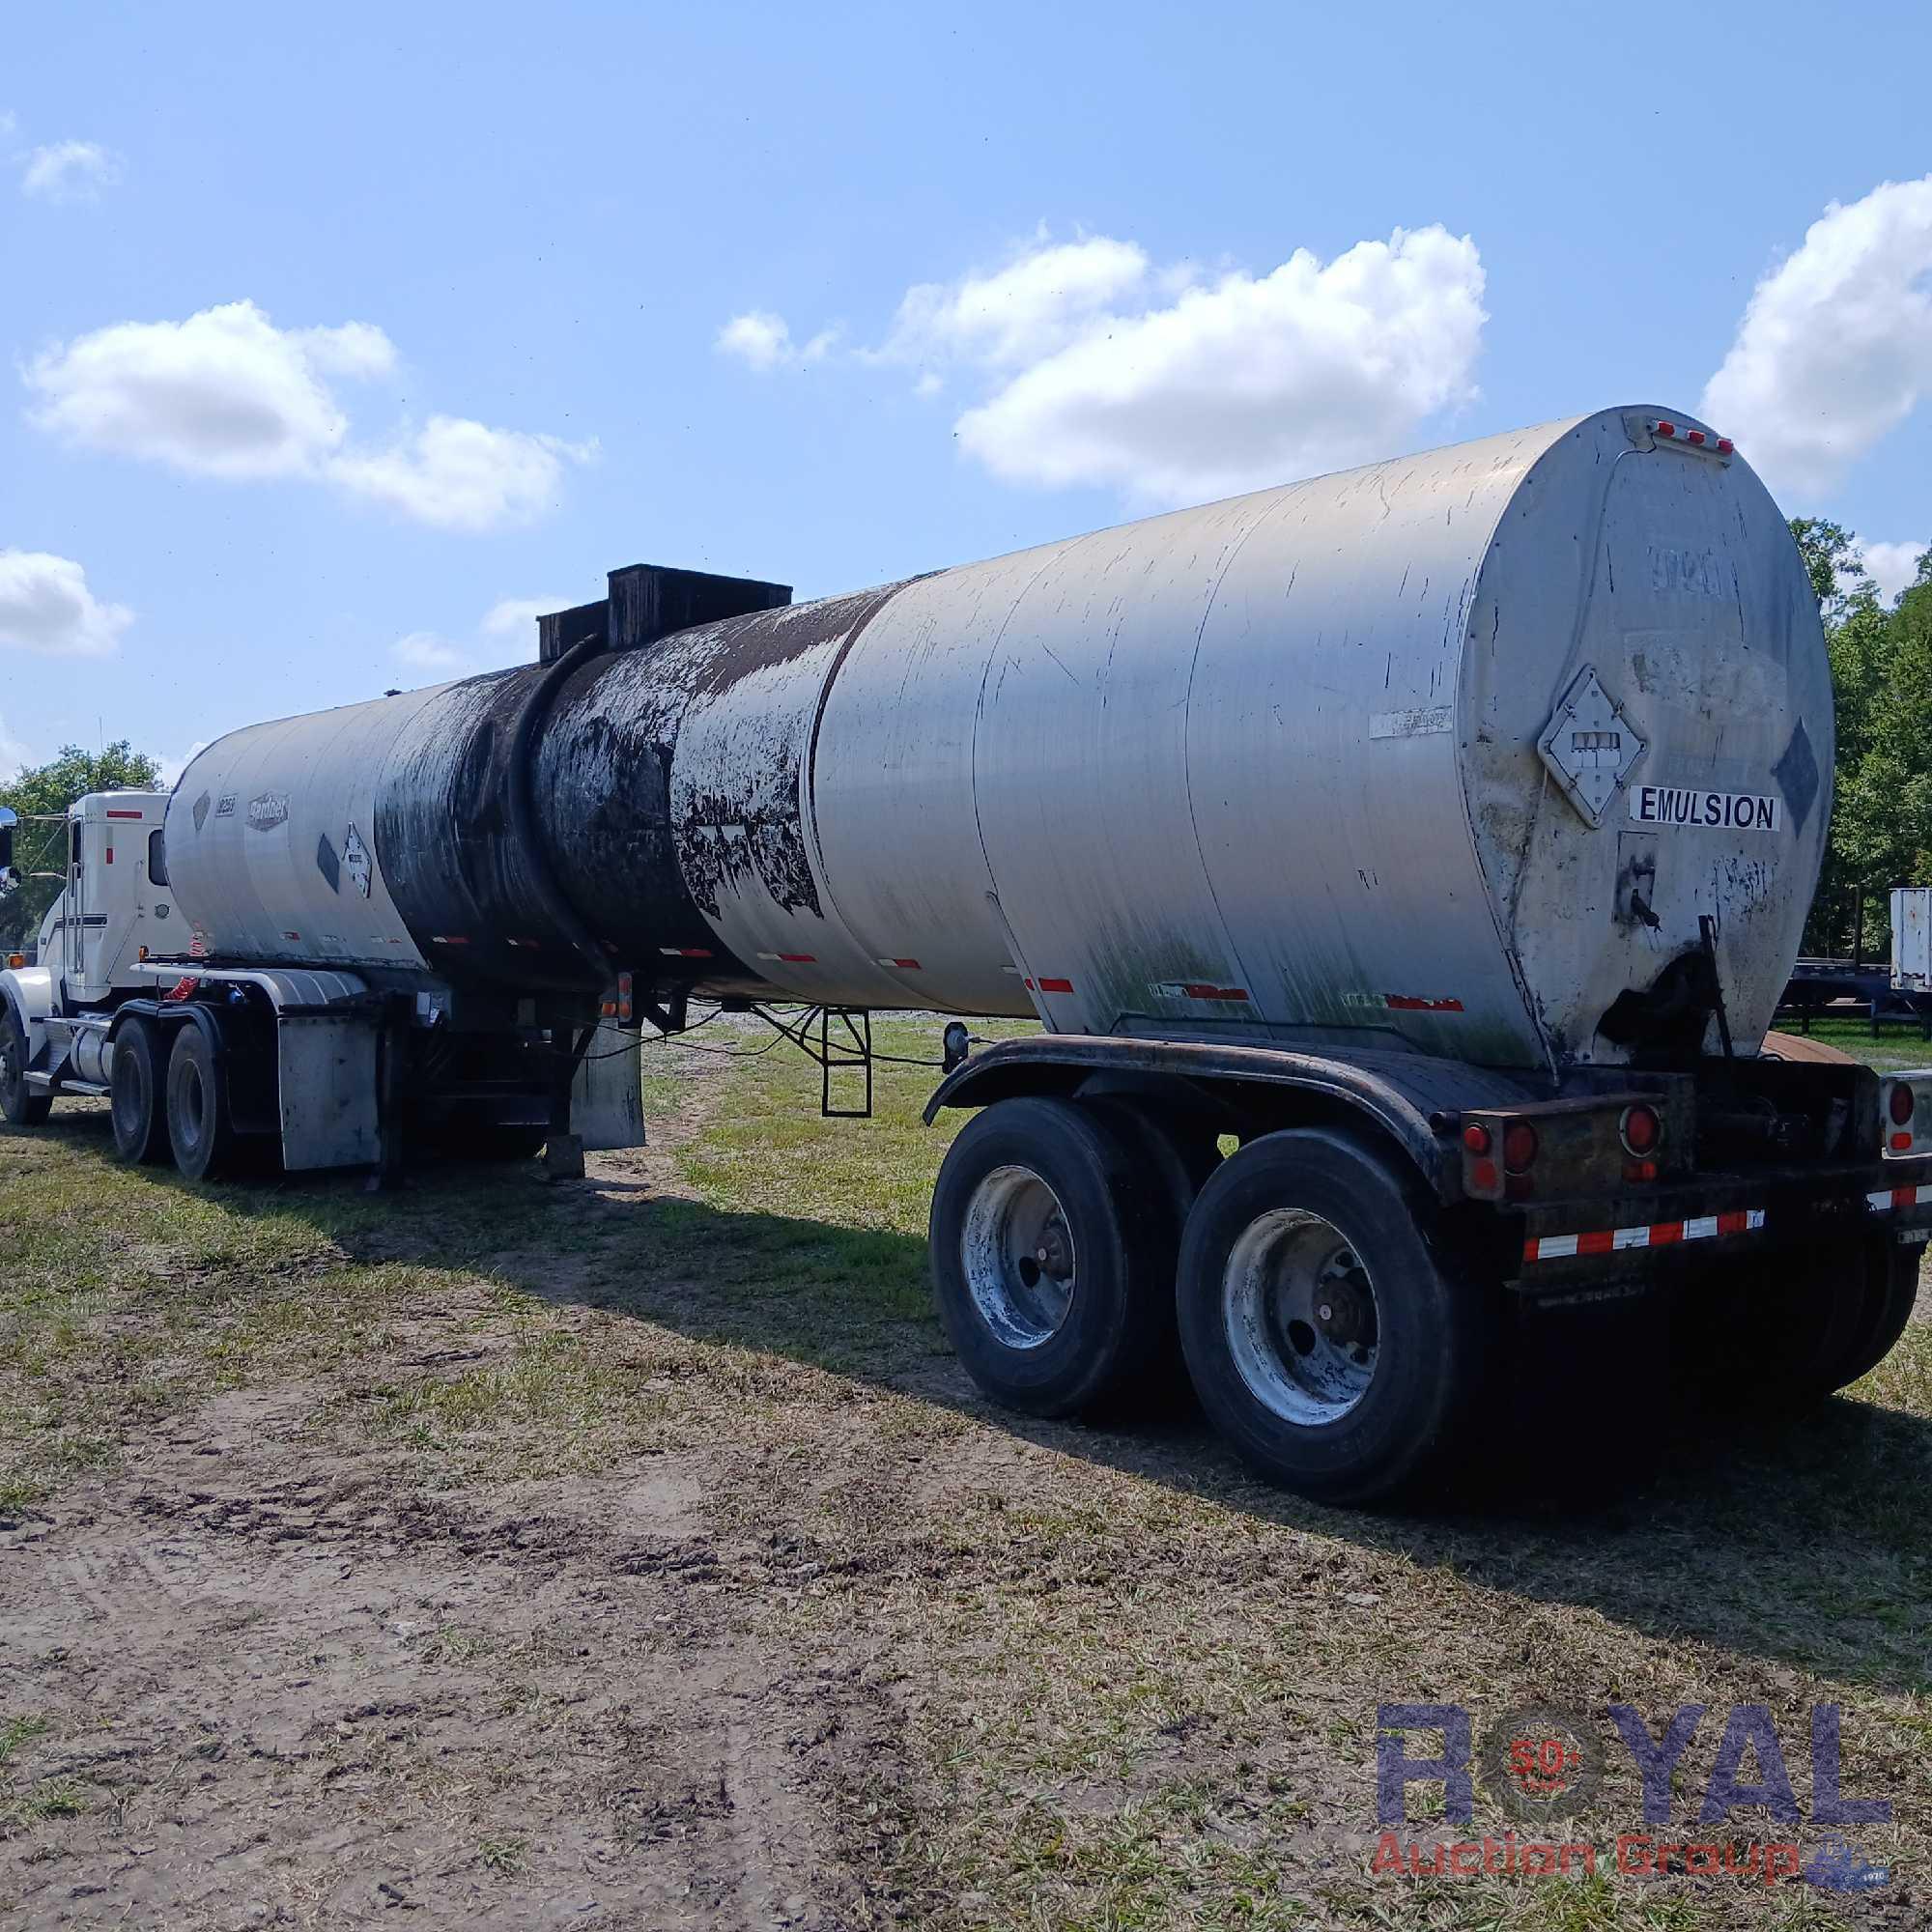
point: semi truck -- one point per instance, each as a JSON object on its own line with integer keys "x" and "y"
{"x": 1402, "y": 869}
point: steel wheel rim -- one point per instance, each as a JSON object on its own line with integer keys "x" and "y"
{"x": 1018, "y": 1256}
{"x": 1301, "y": 1317}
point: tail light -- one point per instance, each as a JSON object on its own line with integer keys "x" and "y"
{"x": 1907, "y": 1101}
{"x": 1640, "y": 1130}
{"x": 1518, "y": 1148}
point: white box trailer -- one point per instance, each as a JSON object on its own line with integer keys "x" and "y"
{"x": 1912, "y": 939}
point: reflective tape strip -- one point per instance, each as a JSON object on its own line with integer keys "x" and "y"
{"x": 904, "y": 965}
{"x": 1654, "y": 1233}
{"x": 1888, "y": 1197}
{"x": 684, "y": 953}
{"x": 792, "y": 958}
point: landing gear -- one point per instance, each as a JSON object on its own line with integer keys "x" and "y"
{"x": 21, "y": 1105}
{"x": 1053, "y": 1251}
{"x": 137, "y": 1106}
{"x": 1327, "y": 1342}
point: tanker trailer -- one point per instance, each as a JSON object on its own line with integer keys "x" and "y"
{"x": 1435, "y": 837}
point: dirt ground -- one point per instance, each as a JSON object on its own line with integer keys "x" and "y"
{"x": 632, "y": 1553}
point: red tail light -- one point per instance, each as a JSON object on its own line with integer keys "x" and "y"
{"x": 1902, "y": 1104}
{"x": 1519, "y": 1147}
{"x": 1476, "y": 1139}
{"x": 1640, "y": 1130}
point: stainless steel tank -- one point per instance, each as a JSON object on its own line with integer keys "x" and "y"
{"x": 1460, "y": 751}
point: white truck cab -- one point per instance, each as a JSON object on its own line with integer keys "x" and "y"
{"x": 114, "y": 911}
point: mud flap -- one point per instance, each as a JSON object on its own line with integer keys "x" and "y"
{"x": 606, "y": 1100}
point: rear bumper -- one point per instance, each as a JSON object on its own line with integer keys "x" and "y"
{"x": 1675, "y": 1227}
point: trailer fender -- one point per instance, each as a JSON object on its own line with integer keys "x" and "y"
{"x": 1406, "y": 1099}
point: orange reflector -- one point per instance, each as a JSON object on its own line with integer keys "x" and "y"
{"x": 15, "y": 961}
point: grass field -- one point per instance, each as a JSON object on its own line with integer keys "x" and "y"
{"x": 633, "y": 1553}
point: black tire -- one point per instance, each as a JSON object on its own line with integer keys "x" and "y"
{"x": 137, "y": 1105}
{"x": 22, "y": 1107}
{"x": 1374, "y": 1394}
{"x": 1894, "y": 1289}
{"x": 200, "y": 1124}
{"x": 1180, "y": 1149}
{"x": 1786, "y": 1329}
{"x": 1094, "y": 1327}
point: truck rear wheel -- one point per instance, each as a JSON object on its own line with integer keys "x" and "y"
{"x": 1327, "y": 1344}
{"x": 199, "y": 1122}
{"x": 1053, "y": 1256}
{"x": 140, "y": 1112}
{"x": 21, "y": 1105}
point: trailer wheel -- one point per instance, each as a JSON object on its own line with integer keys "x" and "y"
{"x": 199, "y": 1122}
{"x": 1805, "y": 1332}
{"x": 1891, "y": 1292}
{"x": 140, "y": 1112}
{"x": 1182, "y": 1153}
{"x": 22, "y": 1107}
{"x": 1327, "y": 1342}
{"x": 1053, "y": 1252}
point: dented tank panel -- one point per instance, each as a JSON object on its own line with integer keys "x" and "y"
{"x": 1455, "y": 753}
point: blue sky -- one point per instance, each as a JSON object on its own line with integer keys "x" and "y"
{"x": 331, "y": 332}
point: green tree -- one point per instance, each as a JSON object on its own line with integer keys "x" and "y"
{"x": 47, "y": 791}
{"x": 1881, "y": 833}
{"x": 1831, "y": 556}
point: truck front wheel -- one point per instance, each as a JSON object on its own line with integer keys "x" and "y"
{"x": 22, "y": 1107}
{"x": 199, "y": 1122}
{"x": 139, "y": 1114}
{"x": 1326, "y": 1341}
{"x": 1053, "y": 1251}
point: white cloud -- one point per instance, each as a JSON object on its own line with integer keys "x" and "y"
{"x": 1893, "y": 566}
{"x": 505, "y": 634}
{"x": 68, "y": 171}
{"x": 1095, "y": 365}
{"x": 463, "y": 475}
{"x": 762, "y": 340}
{"x": 1835, "y": 347}
{"x": 226, "y": 394}
{"x": 1035, "y": 305}
{"x": 46, "y": 606}
{"x": 173, "y": 767}
{"x": 1245, "y": 381}
{"x": 430, "y": 654}
{"x": 514, "y": 618}
{"x": 15, "y": 755}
